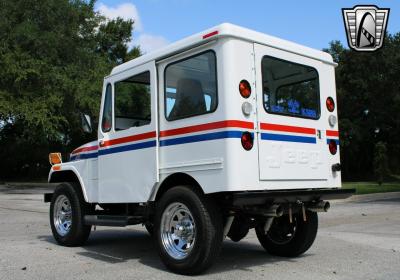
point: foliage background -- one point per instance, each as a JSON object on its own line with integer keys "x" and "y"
{"x": 55, "y": 53}
{"x": 53, "y": 57}
{"x": 368, "y": 93}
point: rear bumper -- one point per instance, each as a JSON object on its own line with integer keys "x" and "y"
{"x": 287, "y": 196}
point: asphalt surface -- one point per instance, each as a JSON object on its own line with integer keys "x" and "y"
{"x": 358, "y": 239}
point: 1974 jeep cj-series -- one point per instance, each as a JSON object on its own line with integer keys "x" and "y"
{"x": 216, "y": 134}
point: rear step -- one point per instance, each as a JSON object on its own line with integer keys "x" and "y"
{"x": 112, "y": 220}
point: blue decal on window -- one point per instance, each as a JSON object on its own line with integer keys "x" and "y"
{"x": 309, "y": 113}
{"x": 277, "y": 109}
{"x": 294, "y": 106}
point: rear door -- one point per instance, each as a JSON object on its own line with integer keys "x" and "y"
{"x": 290, "y": 128}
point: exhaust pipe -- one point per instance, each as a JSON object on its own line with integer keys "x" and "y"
{"x": 275, "y": 210}
{"x": 320, "y": 206}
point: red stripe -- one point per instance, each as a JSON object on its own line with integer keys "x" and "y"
{"x": 176, "y": 131}
{"x": 332, "y": 133}
{"x": 210, "y": 34}
{"x": 207, "y": 126}
{"x": 131, "y": 138}
{"x": 287, "y": 128}
{"x": 85, "y": 149}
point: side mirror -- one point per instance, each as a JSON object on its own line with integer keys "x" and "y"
{"x": 86, "y": 123}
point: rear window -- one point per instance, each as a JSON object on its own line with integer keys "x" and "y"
{"x": 191, "y": 87}
{"x": 290, "y": 89}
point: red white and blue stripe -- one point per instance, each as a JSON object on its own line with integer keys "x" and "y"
{"x": 183, "y": 135}
{"x": 86, "y": 151}
{"x": 332, "y": 135}
{"x": 288, "y": 133}
{"x": 205, "y": 132}
{"x": 198, "y": 133}
{"x": 128, "y": 143}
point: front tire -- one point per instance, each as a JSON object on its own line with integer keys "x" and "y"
{"x": 67, "y": 209}
{"x": 287, "y": 239}
{"x": 188, "y": 230}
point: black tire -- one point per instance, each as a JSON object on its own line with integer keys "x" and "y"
{"x": 208, "y": 231}
{"x": 78, "y": 232}
{"x": 289, "y": 240}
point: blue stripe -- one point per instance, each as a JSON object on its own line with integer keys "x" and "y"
{"x": 202, "y": 137}
{"x": 168, "y": 142}
{"x": 196, "y": 138}
{"x": 83, "y": 156}
{"x": 288, "y": 138}
{"x": 329, "y": 139}
{"x": 126, "y": 148}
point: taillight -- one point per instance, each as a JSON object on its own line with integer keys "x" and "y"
{"x": 244, "y": 89}
{"x": 330, "y": 104}
{"x": 247, "y": 141}
{"x": 333, "y": 147}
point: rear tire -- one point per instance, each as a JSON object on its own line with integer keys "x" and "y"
{"x": 289, "y": 240}
{"x": 67, "y": 209}
{"x": 188, "y": 230}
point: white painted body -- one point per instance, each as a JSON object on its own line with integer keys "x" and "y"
{"x": 219, "y": 165}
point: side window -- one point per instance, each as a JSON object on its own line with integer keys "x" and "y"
{"x": 191, "y": 87}
{"x": 132, "y": 101}
{"x": 290, "y": 89}
{"x": 106, "y": 122}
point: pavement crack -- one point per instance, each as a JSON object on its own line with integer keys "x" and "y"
{"x": 22, "y": 210}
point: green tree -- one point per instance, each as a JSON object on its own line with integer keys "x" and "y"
{"x": 381, "y": 169}
{"x": 53, "y": 57}
{"x": 368, "y": 97}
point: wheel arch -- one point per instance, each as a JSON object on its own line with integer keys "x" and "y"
{"x": 69, "y": 175}
{"x": 173, "y": 180}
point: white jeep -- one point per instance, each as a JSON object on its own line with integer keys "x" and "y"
{"x": 218, "y": 133}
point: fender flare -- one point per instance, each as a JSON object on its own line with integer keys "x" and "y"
{"x": 68, "y": 169}
{"x": 172, "y": 180}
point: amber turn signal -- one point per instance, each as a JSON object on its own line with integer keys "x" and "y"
{"x": 55, "y": 158}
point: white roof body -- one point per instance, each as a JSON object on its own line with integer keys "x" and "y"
{"x": 221, "y": 31}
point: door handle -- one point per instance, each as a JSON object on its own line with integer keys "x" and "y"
{"x": 101, "y": 143}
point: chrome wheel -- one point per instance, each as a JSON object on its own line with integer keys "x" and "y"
{"x": 178, "y": 230}
{"x": 62, "y": 215}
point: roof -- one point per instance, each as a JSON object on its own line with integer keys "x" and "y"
{"x": 220, "y": 31}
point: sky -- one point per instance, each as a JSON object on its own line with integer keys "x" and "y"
{"x": 311, "y": 23}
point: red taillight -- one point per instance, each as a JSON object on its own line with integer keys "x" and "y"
{"x": 244, "y": 89}
{"x": 330, "y": 104}
{"x": 247, "y": 141}
{"x": 333, "y": 147}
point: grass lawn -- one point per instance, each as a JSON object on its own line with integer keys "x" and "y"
{"x": 372, "y": 187}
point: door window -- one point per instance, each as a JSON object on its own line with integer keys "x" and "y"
{"x": 132, "y": 102}
{"x": 106, "y": 122}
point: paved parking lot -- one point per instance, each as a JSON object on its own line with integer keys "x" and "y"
{"x": 357, "y": 240}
